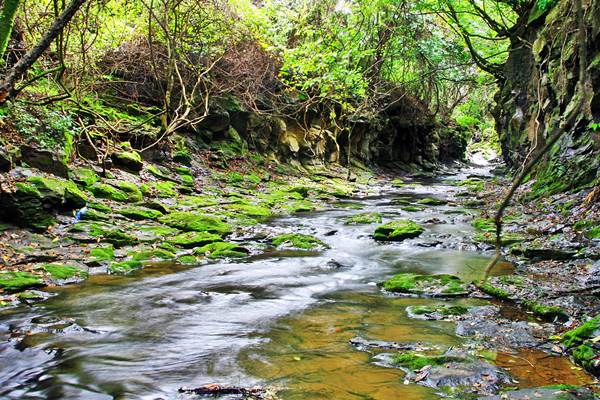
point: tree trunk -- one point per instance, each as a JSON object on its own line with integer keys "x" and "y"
{"x": 7, "y": 85}
{"x": 7, "y": 20}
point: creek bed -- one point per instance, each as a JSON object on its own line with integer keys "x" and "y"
{"x": 282, "y": 319}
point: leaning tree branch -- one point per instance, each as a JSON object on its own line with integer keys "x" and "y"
{"x": 7, "y": 85}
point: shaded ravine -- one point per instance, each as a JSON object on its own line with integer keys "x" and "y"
{"x": 280, "y": 318}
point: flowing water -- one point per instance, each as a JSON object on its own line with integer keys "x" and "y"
{"x": 283, "y": 318}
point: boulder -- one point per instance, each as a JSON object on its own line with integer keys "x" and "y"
{"x": 44, "y": 160}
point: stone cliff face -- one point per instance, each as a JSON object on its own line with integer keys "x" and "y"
{"x": 539, "y": 88}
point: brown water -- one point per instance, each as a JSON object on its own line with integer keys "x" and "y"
{"x": 280, "y": 319}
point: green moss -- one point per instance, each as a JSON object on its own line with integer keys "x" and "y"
{"x": 484, "y": 225}
{"x": 364, "y": 218}
{"x": 543, "y": 311}
{"x": 593, "y": 233}
{"x": 508, "y": 238}
{"x": 119, "y": 238}
{"x": 124, "y": 267}
{"x": 432, "y": 202}
{"x": 585, "y": 331}
{"x": 190, "y": 221}
{"x": 59, "y": 190}
{"x": 585, "y": 356}
{"x": 100, "y": 254}
{"x": 61, "y": 271}
{"x": 100, "y": 207}
{"x": 415, "y": 361}
{"x": 159, "y": 231}
{"x": 473, "y": 185}
{"x": 412, "y": 208}
{"x": 163, "y": 189}
{"x": 253, "y": 179}
{"x": 151, "y": 254}
{"x": 426, "y": 284}
{"x": 398, "y": 230}
{"x": 301, "y": 190}
{"x": 130, "y": 160}
{"x": 187, "y": 259}
{"x": 299, "y": 206}
{"x": 105, "y": 191}
{"x": 15, "y": 281}
{"x": 194, "y": 239}
{"x": 297, "y": 240}
{"x": 439, "y": 309}
{"x": 94, "y": 215}
{"x": 140, "y": 213}
{"x": 84, "y": 176}
{"x": 222, "y": 250}
{"x": 134, "y": 194}
{"x": 494, "y": 291}
{"x": 250, "y": 210}
{"x": 398, "y": 183}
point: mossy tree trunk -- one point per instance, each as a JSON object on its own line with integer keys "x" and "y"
{"x": 7, "y": 20}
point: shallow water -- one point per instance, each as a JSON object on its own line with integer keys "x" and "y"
{"x": 281, "y": 318}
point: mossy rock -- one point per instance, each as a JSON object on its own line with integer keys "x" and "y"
{"x": 124, "y": 267}
{"x": 101, "y": 254}
{"x": 250, "y": 210}
{"x": 507, "y": 238}
{"x": 428, "y": 285}
{"x": 163, "y": 189}
{"x": 398, "y": 230}
{"x": 91, "y": 214}
{"x": 128, "y": 160}
{"x": 588, "y": 330}
{"x": 59, "y": 192}
{"x": 140, "y": 213}
{"x": 301, "y": 190}
{"x": 299, "y": 241}
{"x": 193, "y": 239}
{"x": 16, "y": 281}
{"x": 473, "y": 185}
{"x": 105, "y": 191}
{"x": 412, "y": 208}
{"x": 64, "y": 272}
{"x": 134, "y": 194}
{"x": 545, "y": 311}
{"x": 299, "y": 206}
{"x": 436, "y": 312}
{"x": 588, "y": 357}
{"x": 151, "y": 254}
{"x": 432, "y": 202}
{"x": 494, "y": 291}
{"x": 222, "y": 250}
{"x": 484, "y": 225}
{"x": 119, "y": 238}
{"x": 187, "y": 259}
{"x": 593, "y": 233}
{"x": 363, "y": 219}
{"x": 398, "y": 183}
{"x": 84, "y": 176}
{"x": 415, "y": 361}
{"x": 190, "y": 221}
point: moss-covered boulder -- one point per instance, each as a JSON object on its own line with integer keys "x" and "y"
{"x": 583, "y": 346}
{"x": 398, "y": 230}
{"x": 127, "y": 160}
{"x": 222, "y": 250}
{"x": 15, "y": 281}
{"x": 119, "y": 238}
{"x": 133, "y": 192}
{"x": 124, "y": 267}
{"x": 149, "y": 254}
{"x": 105, "y": 191}
{"x": 363, "y": 219}
{"x": 91, "y": 214}
{"x": 298, "y": 241}
{"x": 84, "y": 176}
{"x": 192, "y": 239}
{"x": 140, "y": 213}
{"x": 428, "y": 201}
{"x": 436, "y": 312}
{"x": 63, "y": 272}
{"x": 102, "y": 254}
{"x": 190, "y": 221}
{"x": 59, "y": 192}
{"x": 250, "y": 210}
{"x": 427, "y": 285}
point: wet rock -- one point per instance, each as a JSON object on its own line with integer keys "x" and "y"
{"x": 127, "y": 160}
{"x": 15, "y": 281}
{"x": 559, "y": 392}
{"x": 592, "y": 277}
{"x": 426, "y": 285}
{"x": 298, "y": 241}
{"x": 44, "y": 160}
{"x": 454, "y": 371}
{"x": 436, "y": 312}
{"x": 363, "y": 219}
{"x": 365, "y": 344}
{"x": 398, "y": 231}
{"x": 549, "y": 253}
{"x": 493, "y": 332}
{"x": 217, "y": 390}
{"x": 222, "y": 250}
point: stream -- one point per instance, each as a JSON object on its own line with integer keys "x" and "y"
{"x": 281, "y": 318}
